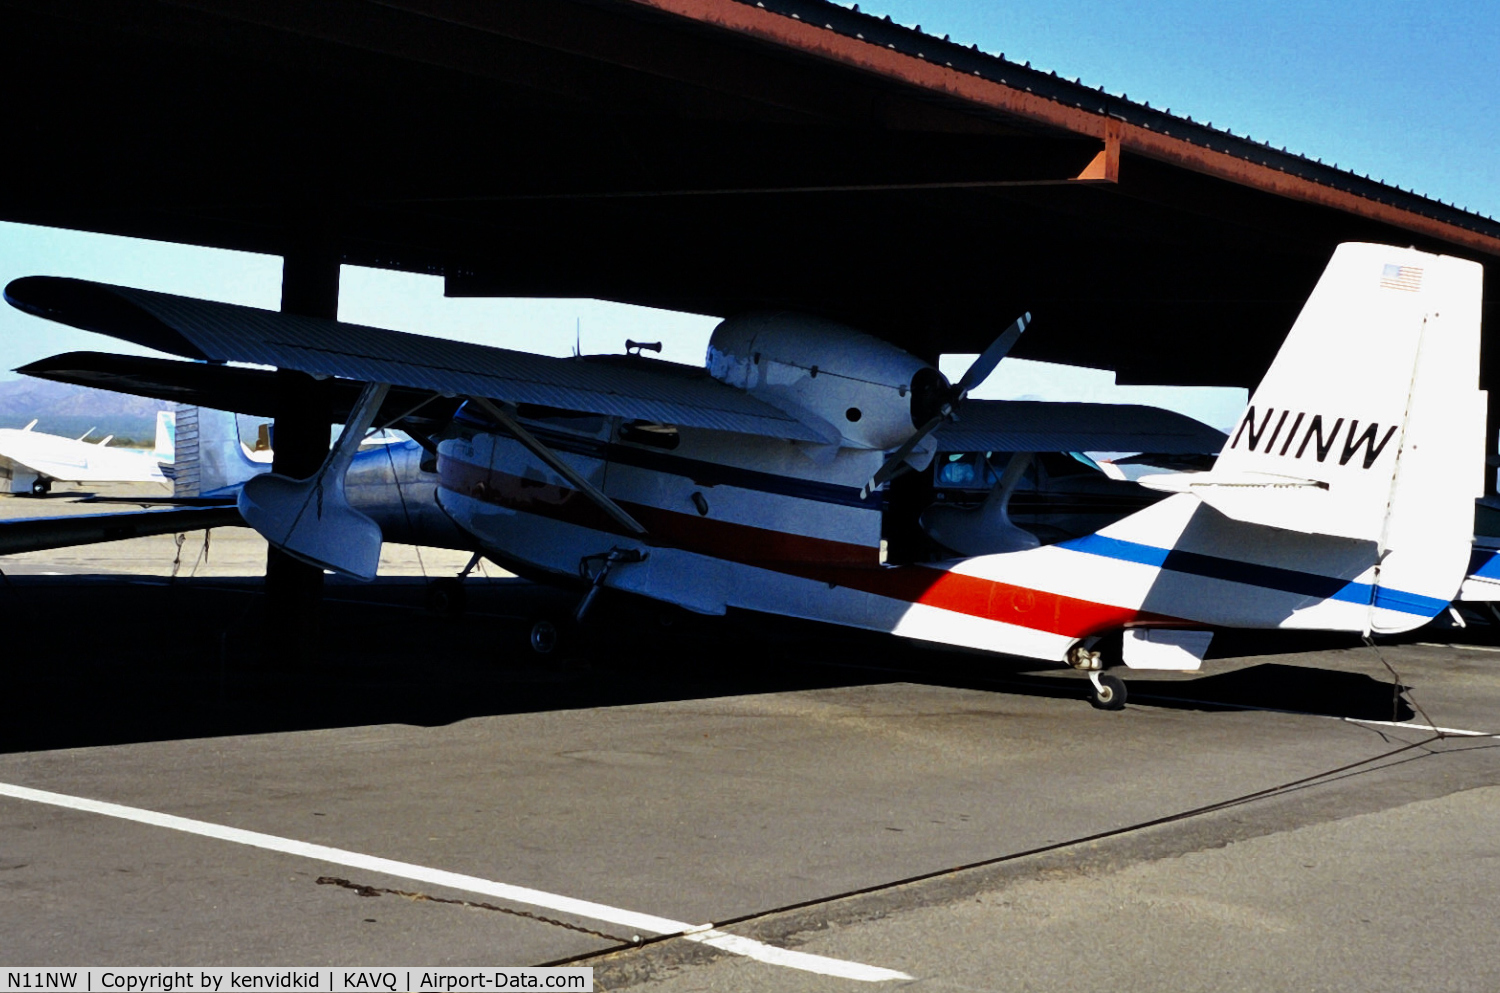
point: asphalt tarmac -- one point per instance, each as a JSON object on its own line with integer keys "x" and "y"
{"x": 849, "y": 812}
{"x": 225, "y": 552}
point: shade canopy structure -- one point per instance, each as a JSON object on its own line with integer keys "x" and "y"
{"x": 712, "y": 156}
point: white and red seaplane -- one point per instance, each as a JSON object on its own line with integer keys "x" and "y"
{"x": 1343, "y": 500}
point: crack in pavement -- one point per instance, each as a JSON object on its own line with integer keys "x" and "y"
{"x": 372, "y": 891}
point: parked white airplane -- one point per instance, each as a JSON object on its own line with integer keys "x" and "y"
{"x": 386, "y": 481}
{"x": 1344, "y": 500}
{"x": 30, "y": 461}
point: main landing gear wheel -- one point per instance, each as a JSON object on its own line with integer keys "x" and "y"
{"x": 547, "y": 634}
{"x": 1109, "y": 691}
{"x": 446, "y": 597}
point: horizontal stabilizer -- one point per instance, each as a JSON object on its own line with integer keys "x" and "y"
{"x": 196, "y": 502}
{"x": 1204, "y": 483}
{"x": 1252, "y": 497}
{"x": 41, "y": 533}
{"x": 1275, "y": 501}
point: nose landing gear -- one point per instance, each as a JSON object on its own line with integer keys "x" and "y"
{"x": 1108, "y": 691}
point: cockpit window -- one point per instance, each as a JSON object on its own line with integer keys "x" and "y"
{"x": 968, "y": 470}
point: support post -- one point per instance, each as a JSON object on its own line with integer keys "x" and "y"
{"x": 309, "y": 287}
{"x": 1489, "y": 380}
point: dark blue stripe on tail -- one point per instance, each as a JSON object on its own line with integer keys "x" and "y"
{"x": 1250, "y": 574}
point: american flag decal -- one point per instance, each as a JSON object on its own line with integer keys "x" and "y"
{"x": 1401, "y": 277}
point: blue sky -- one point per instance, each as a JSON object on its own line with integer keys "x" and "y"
{"x": 1403, "y": 91}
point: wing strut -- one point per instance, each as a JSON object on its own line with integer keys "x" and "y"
{"x": 557, "y": 465}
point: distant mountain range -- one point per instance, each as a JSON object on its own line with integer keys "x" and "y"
{"x": 72, "y": 410}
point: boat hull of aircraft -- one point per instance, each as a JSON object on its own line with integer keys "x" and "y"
{"x": 816, "y": 556}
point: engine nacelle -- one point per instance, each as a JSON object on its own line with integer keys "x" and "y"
{"x": 869, "y": 391}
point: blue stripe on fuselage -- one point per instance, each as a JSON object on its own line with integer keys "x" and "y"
{"x": 1250, "y": 574}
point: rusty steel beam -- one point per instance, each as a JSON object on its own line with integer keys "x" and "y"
{"x": 816, "y": 41}
{"x": 1105, "y": 168}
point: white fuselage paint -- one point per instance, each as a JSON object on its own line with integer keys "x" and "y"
{"x": 1036, "y": 603}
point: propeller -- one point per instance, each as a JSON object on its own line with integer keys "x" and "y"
{"x": 952, "y": 397}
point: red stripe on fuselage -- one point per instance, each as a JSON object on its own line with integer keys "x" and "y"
{"x": 695, "y": 533}
{"x": 987, "y": 598}
{"x": 836, "y": 563}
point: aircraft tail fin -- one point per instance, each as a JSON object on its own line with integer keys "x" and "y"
{"x": 1369, "y": 427}
{"x": 166, "y": 436}
{"x": 210, "y": 460}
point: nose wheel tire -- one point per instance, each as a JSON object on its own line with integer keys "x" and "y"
{"x": 1108, "y": 691}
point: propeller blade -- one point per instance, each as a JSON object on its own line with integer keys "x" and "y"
{"x": 893, "y": 464}
{"x": 990, "y": 357}
{"x": 978, "y": 373}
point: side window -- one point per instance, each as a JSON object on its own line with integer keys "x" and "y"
{"x": 964, "y": 471}
{"x": 975, "y": 470}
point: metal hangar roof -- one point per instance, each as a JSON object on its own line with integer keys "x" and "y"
{"x": 704, "y": 155}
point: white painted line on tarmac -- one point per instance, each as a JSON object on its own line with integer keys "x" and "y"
{"x": 802, "y": 961}
{"x": 1327, "y": 717}
{"x": 704, "y": 934}
{"x": 1461, "y": 648}
{"x": 1422, "y": 727}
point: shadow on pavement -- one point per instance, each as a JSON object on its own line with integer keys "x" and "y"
{"x": 1273, "y": 686}
{"x": 102, "y": 661}
{"x": 108, "y": 660}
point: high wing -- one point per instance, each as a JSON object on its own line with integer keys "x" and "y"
{"x": 222, "y": 387}
{"x": 1041, "y": 426}
{"x": 986, "y": 425}
{"x": 219, "y": 332}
